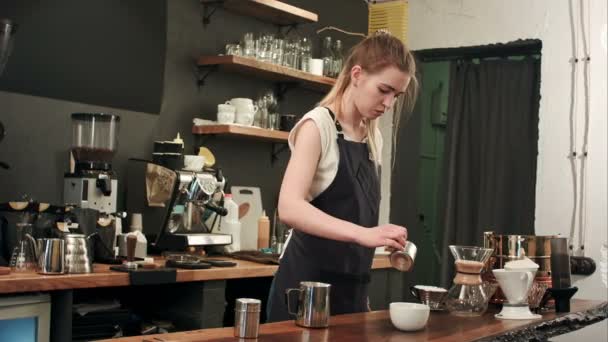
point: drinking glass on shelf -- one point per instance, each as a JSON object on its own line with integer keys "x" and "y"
{"x": 278, "y": 46}
{"x": 264, "y": 47}
{"x": 261, "y": 116}
{"x": 233, "y": 49}
{"x": 249, "y": 44}
{"x": 338, "y": 58}
{"x": 305, "y": 54}
{"x": 291, "y": 52}
{"x": 328, "y": 57}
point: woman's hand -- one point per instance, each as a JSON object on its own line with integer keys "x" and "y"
{"x": 388, "y": 235}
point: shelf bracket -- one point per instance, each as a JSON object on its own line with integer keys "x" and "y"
{"x": 202, "y": 72}
{"x": 209, "y": 8}
{"x": 202, "y": 140}
{"x": 281, "y": 88}
{"x": 277, "y": 149}
{"x": 289, "y": 27}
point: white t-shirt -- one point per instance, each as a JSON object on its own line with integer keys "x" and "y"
{"x": 330, "y": 154}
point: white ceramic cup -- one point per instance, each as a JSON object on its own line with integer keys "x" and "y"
{"x": 409, "y": 316}
{"x": 245, "y": 110}
{"x": 316, "y": 66}
{"x": 226, "y": 114}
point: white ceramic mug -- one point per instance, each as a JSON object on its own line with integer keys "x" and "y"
{"x": 226, "y": 113}
{"x": 316, "y": 66}
{"x": 245, "y": 110}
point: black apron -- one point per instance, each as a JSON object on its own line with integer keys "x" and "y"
{"x": 354, "y": 196}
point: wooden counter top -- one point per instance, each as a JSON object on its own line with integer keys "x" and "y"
{"x": 376, "y": 326}
{"x": 103, "y": 277}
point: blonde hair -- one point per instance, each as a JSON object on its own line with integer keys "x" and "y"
{"x": 373, "y": 54}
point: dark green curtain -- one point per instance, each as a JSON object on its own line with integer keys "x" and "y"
{"x": 491, "y": 150}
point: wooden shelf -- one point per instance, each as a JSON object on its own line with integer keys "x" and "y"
{"x": 242, "y": 131}
{"x": 268, "y": 71}
{"x": 272, "y": 11}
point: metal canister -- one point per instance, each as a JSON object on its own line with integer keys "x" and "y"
{"x": 247, "y": 317}
{"x": 404, "y": 260}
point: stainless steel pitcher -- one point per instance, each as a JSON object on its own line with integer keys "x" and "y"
{"x": 313, "y": 304}
{"x": 51, "y": 254}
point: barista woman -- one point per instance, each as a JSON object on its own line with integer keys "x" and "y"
{"x": 331, "y": 190}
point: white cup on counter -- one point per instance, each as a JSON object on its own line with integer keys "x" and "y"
{"x": 316, "y": 66}
{"x": 409, "y": 316}
{"x": 226, "y": 114}
{"x": 245, "y": 110}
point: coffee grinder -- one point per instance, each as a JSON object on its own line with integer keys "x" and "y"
{"x": 91, "y": 183}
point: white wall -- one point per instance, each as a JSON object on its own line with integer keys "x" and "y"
{"x": 456, "y": 23}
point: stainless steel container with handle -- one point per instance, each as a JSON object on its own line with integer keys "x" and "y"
{"x": 313, "y": 304}
{"x": 51, "y": 254}
{"x": 247, "y": 317}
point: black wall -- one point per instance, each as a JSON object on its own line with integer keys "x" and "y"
{"x": 99, "y": 52}
{"x": 38, "y": 127}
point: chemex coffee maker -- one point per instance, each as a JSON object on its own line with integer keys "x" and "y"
{"x": 91, "y": 183}
{"x": 176, "y": 205}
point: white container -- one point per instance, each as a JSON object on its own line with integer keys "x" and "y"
{"x": 226, "y": 114}
{"x": 231, "y": 224}
{"x": 245, "y": 110}
{"x": 316, "y": 66}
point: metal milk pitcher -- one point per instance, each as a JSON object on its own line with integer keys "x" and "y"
{"x": 51, "y": 254}
{"x": 313, "y": 304}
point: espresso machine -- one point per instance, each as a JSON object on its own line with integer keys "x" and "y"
{"x": 177, "y": 205}
{"x": 91, "y": 183}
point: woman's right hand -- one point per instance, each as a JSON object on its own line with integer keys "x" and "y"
{"x": 387, "y": 235}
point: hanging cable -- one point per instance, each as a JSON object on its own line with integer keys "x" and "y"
{"x": 585, "y": 24}
{"x": 341, "y": 30}
{"x": 573, "y": 123}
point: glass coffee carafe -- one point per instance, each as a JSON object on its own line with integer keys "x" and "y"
{"x": 23, "y": 257}
{"x": 468, "y": 296}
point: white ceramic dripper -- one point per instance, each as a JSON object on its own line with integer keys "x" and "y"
{"x": 515, "y": 284}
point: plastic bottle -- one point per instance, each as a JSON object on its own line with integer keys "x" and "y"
{"x": 263, "y": 231}
{"x": 231, "y": 224}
